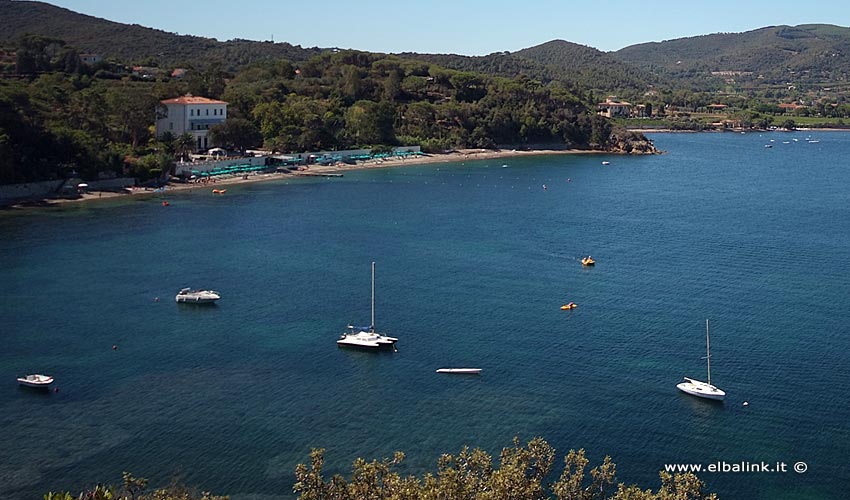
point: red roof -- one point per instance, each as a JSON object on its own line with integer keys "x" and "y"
{"x": 190, "y": 99}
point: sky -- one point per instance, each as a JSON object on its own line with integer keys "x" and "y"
{"x": 469, "y": 27}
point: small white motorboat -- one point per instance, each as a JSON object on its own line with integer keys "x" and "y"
{"x": 462, "y": 371}
{"x": 189, "y": 296}
{"x": 36, "y": 380}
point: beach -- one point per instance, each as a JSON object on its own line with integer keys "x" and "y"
{"x": 221, "y": 182}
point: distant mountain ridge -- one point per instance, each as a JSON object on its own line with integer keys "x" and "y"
{"x": 818, "y": 52}
{"x": 775, "y": 54}
{"x": 132, "y": 43}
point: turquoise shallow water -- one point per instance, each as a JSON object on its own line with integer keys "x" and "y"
{"x": 473, "y": 262}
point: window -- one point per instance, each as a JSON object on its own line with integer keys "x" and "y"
{"x": 170, "y": 125}
{"x": 208, "y": 111}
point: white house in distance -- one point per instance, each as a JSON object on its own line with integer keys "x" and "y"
{"x": 193, "y": 115}
{"x": 613, "y": 107}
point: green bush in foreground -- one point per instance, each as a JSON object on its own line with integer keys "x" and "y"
{"x": 469, "y": 475}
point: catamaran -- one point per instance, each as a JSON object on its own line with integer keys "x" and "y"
{"x": 367, "y": 338}
{"x": 703, "y": 389}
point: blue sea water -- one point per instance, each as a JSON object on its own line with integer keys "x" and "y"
{"x": 473, "y": 260}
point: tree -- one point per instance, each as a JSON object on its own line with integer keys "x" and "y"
{"x": 471, "y": 475}
{"x": 236, "y": 133}
{"x": 369, "y": 122}
{"x": 183, "y": 145}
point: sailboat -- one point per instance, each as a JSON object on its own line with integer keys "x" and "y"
{"x": 703, "y": 389}
{"x": 366, "y": 337}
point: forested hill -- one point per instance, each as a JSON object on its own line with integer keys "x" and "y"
{"x": 577, "y": 66}
{"x": 133, "y": 43}
{"x": 498, "y": 64}
{"x": 587, "y": 66}
{"x": 814, "y": 52}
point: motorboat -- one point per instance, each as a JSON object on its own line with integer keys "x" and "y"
{"x": 367, "y": 337}
{"x": 568, "y": 307}
{"x": 588, "y": 261}
{"x": 189, "y": 296}
{"x": 703, "y": 389}
{"x": 460, "y": 371}
{"x": 36, "y": 380}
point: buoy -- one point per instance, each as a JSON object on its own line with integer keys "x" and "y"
{"x": 114, "y": 347}
{"x": 746, "y": 403}
{"x": 165, "y": 203}
{"x": 156, "y": 299}
{"x": 55, "y": 389}
{"x": 544, "y": 187}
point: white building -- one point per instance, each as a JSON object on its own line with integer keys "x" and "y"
{"x": 193, "y": 115}
{"x": 613, "y": 107}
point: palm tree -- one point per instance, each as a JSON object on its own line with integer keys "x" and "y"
{"x": 183, "y": 145}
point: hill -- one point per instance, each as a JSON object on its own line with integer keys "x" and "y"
{"x": 776, "y": 54}
{"x": 577, "y": 66}
{"x": 134, "y": 43}
{"x": 587, "y": 66}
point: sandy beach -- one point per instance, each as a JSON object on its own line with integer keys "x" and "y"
{"x": 222, "y": 182}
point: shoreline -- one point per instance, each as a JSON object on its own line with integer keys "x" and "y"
{"x": 312, "y": 170}
{"x": 654, "y": 130}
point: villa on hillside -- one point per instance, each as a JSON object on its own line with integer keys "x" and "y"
{"x": 192, "y": 115}
{"x": 791, "y": 106}
{"x": 613, "y": 107}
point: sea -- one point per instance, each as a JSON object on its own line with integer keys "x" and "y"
{"x": 473, "y": 261}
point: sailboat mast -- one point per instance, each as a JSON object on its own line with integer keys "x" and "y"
{"x": 707, "y": 351}
{"x": 373, "y": 296}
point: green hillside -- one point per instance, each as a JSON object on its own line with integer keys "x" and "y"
{"x": 776, "y": 54}
{"x": 133, "y": 43}
{"x": 571, "y": 64}
{"x": 588, "y": 67}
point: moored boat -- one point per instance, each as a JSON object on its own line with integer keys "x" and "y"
{"x": 588, "y": 261}
{"x": 189, "y": 296}
{"x": 36, "y": 380}
{"x": 460, "y": 371}
{"x": 703, "y": 389}
{"x": 367, "y": 338}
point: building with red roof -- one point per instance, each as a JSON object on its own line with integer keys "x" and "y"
{"x": 190, "y": 114}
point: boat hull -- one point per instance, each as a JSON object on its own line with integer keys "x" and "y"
{"x": 365, "y": 346}
{"x": 195, "y": 300}
{"x": 702, "y": 390}
{"x": 40, "y": 382}
{"x": 460, "y": 371}
{"x": 367, "y": 340}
